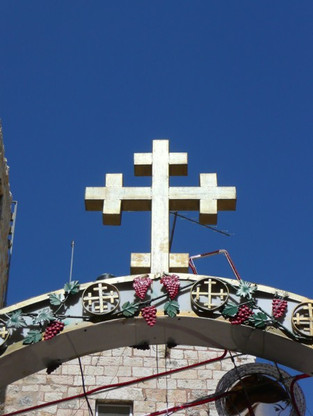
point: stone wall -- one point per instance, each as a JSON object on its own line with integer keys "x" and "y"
{"x": 5, "y": 221}
{"x": 121, "y": 365}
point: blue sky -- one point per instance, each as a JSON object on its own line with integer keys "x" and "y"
{"x": 84, "y": 85}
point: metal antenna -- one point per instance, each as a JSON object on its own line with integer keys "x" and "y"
{"x": 72, "y": 258}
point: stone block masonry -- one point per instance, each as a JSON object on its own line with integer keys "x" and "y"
{"x": 119, "y": 365}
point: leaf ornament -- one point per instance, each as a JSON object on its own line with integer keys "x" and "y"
{"x": 45, "y": 315}
{"x": 71, "y": 288}
{"x": 55, "y": 299}
{"x": 230, "y": 310}
{"x": 246, "y": 289}
{"x": 129, "y": 309}
{"x": 33, "y": 337}
{"x": 171, "y": 308}
{"x": 16, "y": 320}
{"x": 259, "y": 320}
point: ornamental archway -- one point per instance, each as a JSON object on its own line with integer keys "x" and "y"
{"x": 160, "y": 302}
{"x": 107, "y": 314}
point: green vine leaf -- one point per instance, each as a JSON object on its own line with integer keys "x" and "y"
{"x": 230, "y": 310}
{"x": 71, "y": 288}
{"x": 45, "y": 315}
{"x": 171, "y": 308}
{"x": 55, "y": 299}
{"x": 33, "y": 337}
{"x": 259, "y": 319}
{"x": 246, "y": 289}
{"x": 16, "y": 320}
{"x": 129, "y": 309}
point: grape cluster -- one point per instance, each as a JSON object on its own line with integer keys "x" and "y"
{"x": 149, "y": 314}
{"x": 53, "y": 329}
{"x": 243, "y": 314}
{"x": 171, "y": 284}
{"x": 279, "y": 307}
{"x": 141, "y": 285}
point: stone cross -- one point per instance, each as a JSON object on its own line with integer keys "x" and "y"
{"x": 160, "y": 198}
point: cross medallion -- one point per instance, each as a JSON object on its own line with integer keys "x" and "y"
{"x": 160, "y": 198}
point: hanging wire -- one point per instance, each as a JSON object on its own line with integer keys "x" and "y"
{"x": 250, "y": 409}
{"x": 199, "y": 223}
{"x": 173, "y": 229}
{"x": 166, "y": 379}
{"x": 84, "y": 387}
{"x": 72, "y": 259}
{"x": 114, "y": 386}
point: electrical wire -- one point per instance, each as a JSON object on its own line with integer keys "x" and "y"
{"x": 117, "y": 385}
{"x": 292, "y": 385}
{"x": 213, "y": 397}
{"x": 173, "y": 230}
{"x": 213, "y": 253}
{"x": 174, "y": 409}
{"x": 168, "y": 411}
{"x": 251, "y": 412}
{"x": 84, "y": 387}
{"x": 199, "y": 223}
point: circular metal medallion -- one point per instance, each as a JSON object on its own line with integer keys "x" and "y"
{"x": 302, "y": 319}
{"x": 100, "y": 298}
{"x": 4, "y": 333}
{"x": 209, "y": 294}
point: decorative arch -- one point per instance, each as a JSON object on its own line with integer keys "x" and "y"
{"x": 111, "y": 313}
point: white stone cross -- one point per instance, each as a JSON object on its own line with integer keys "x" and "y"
{"x": 160, "y": 198}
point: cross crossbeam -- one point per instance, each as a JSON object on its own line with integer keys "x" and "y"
{"x": 160, "y": 198}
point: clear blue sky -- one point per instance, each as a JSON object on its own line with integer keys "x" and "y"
{"x": 84, "y": 85}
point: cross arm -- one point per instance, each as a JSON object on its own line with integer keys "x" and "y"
{"x": 114, "y": 198}
{"x": 208, "y": 198}
{"x": 178, "y": 164}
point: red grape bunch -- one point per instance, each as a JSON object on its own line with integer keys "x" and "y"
{"x": 279, "y": 307}
{"x": 53, "y": 329}
{"x": 243, "y": 314}
{"x": 171, "y": 284}
{"x": 149, "y": 314}
{"x": 141, "y": 286}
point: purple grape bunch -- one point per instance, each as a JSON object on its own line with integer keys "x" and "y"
{"x": 53, "y": 329}
{"x": 141, "y": 286}
{"x": 149, "y": 314}
{"x": 171, "y": 284}
{"x": 279, "y": 307}
{"x": 243, "y": 314}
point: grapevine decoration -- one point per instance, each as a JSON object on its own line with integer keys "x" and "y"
{"x": 248, "y": 312}
{"x": 129, "y": 309}
{"x": 243, "y": 314}
{"x": 70, "y": 288}
{"x": 141, "y": 286}
{"x": 240, "y": 308}
{"x": 46, "y": 323}
{"x": 171, "y": 308}
{"x": 33, "y": 337}
{"x": 149, "y": 314}
{"x": 171, "y": 284}
{"x": 53, "y": 329}
{"x": 279, "y": 307}
{"x": 16, "y": 320}
{"x": 246, "y": 289}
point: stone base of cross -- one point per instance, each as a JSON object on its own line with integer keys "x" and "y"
{"x": 140, "y": 263}
{"x": 160, "y": 198}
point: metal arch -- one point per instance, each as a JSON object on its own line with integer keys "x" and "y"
{"x": 82, "y": 336}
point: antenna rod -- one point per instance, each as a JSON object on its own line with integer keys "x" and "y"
{"x": 72, "y": 258}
